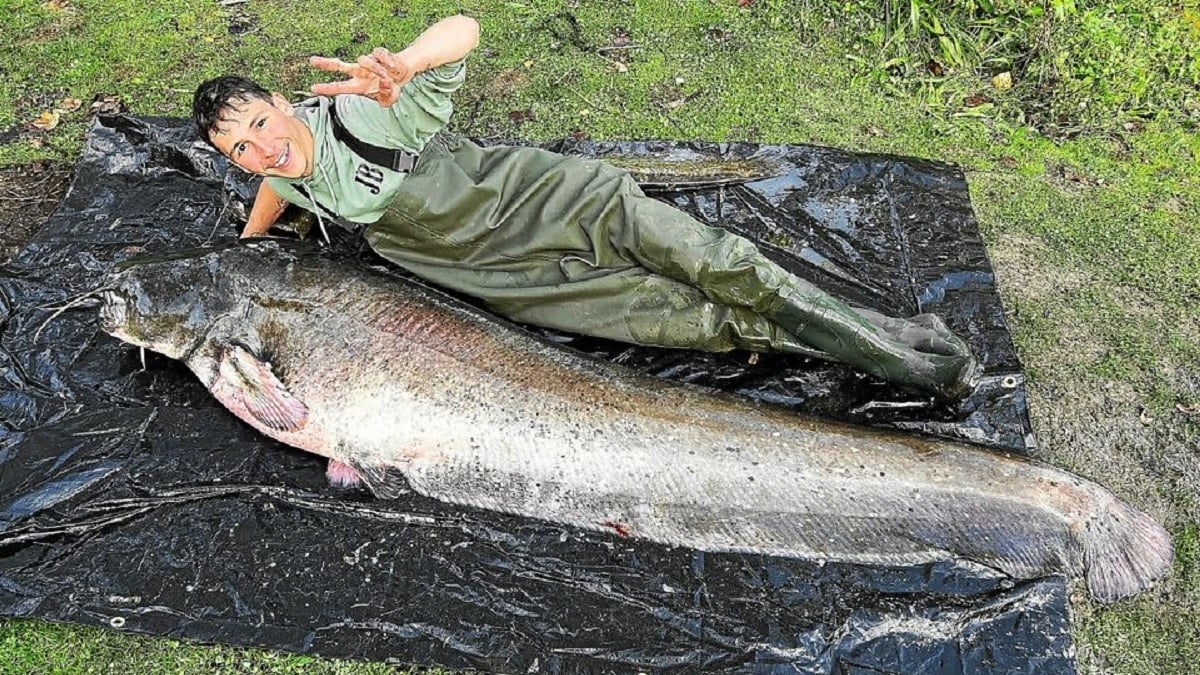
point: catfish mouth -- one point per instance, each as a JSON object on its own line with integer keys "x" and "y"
{"x": 120, "y": 319}
{"x": 113, "y": 312}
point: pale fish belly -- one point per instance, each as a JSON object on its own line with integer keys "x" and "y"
{"x": 790, "y": 492}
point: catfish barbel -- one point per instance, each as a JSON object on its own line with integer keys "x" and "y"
{"x": 402, "y": 386}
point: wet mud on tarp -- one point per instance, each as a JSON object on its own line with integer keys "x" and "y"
{"x": 130, "y": 499}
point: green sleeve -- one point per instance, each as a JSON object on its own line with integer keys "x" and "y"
{"x": 423, "y": 109}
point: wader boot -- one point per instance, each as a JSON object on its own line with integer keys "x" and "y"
{"x": 920, "y": 351}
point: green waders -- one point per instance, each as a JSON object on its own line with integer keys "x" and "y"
{"x": 573, "y": 244}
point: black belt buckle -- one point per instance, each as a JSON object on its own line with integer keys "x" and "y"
{"x": 403, "y": 161}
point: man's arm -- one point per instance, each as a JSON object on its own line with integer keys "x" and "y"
{"x": 448, "y": 40}
{"x": 381, "y": 74}
{"x": 268, "y": 206}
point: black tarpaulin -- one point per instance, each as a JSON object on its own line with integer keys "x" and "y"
{"x": 130, "y": 499}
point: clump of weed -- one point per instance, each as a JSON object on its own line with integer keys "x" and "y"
{"x": 1062, "y": 66}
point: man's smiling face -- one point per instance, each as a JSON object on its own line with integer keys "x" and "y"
{"x": 265, "y": 138}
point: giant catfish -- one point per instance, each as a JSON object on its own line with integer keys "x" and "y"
{"x": 400, "y": 385}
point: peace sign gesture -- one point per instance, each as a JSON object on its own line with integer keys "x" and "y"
{"x": 379, "y": 75}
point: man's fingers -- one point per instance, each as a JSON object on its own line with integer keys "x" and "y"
{"x": 332, "y": 65}
{"x": 387, "y": 93}
{"x": 355, "y": 86}
{"x": 382, "y": 90}
{"x": 377, "y": 75}
{"x": 384, "y": 57}
{"x": 394, "y": 67}
{"x": 371, "y": 65}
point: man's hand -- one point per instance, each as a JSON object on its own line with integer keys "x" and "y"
{"x": 379, "y": 75}
{"x": 267, "y": 208}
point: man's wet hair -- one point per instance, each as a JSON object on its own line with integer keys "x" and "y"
{"x": 214, "y": 98}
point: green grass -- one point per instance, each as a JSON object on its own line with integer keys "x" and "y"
{"x": 31, "y": 647}
{"x": 1149, "y": 633}
{"x": 1087, "y": 172}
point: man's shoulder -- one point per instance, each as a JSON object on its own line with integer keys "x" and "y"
{"x": 352, "y": 109}
{"x": 364, "y": 118}
{"x": 312, "y": 104}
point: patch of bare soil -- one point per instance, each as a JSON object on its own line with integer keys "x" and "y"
{"x": 28, "y": 194}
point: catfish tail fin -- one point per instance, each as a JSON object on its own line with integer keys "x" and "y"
{"x": 1124, "y": 551}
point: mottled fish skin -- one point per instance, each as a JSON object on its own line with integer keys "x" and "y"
{"x": 394, "y": 379}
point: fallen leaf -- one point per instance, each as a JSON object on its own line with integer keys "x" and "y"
{"x": 934, "y": 68}
{"x": 47, "y": 120}
{"x": 68, "y": 105}
{"x": 975, "y": 100}
{"x": 744, "y": 3}
{"x": 55, "y": 5}
{"x": 106, "y": 105}
{"x": 872, "y": 130}
{"x": 528, "y": 63}
{"x": 579, "y": 134}
{"x": 36, "y": 142}
{"x": 1003, "y": 81}
{"x": 621, "y": 67}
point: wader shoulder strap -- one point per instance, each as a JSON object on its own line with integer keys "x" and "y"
{"x": 308, "y": 195}
{"x": 395, "y": 159}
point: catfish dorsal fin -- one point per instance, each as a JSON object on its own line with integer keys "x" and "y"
{"x": 263, "y": 396}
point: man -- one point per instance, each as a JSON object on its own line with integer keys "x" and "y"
{"x": 561, "y": 242}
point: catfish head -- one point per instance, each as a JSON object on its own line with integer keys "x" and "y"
{"x": 168, "y": 304}
{"x": 212, "y": 310}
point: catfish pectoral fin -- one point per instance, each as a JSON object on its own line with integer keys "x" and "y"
{"x": 253, "y": 385}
